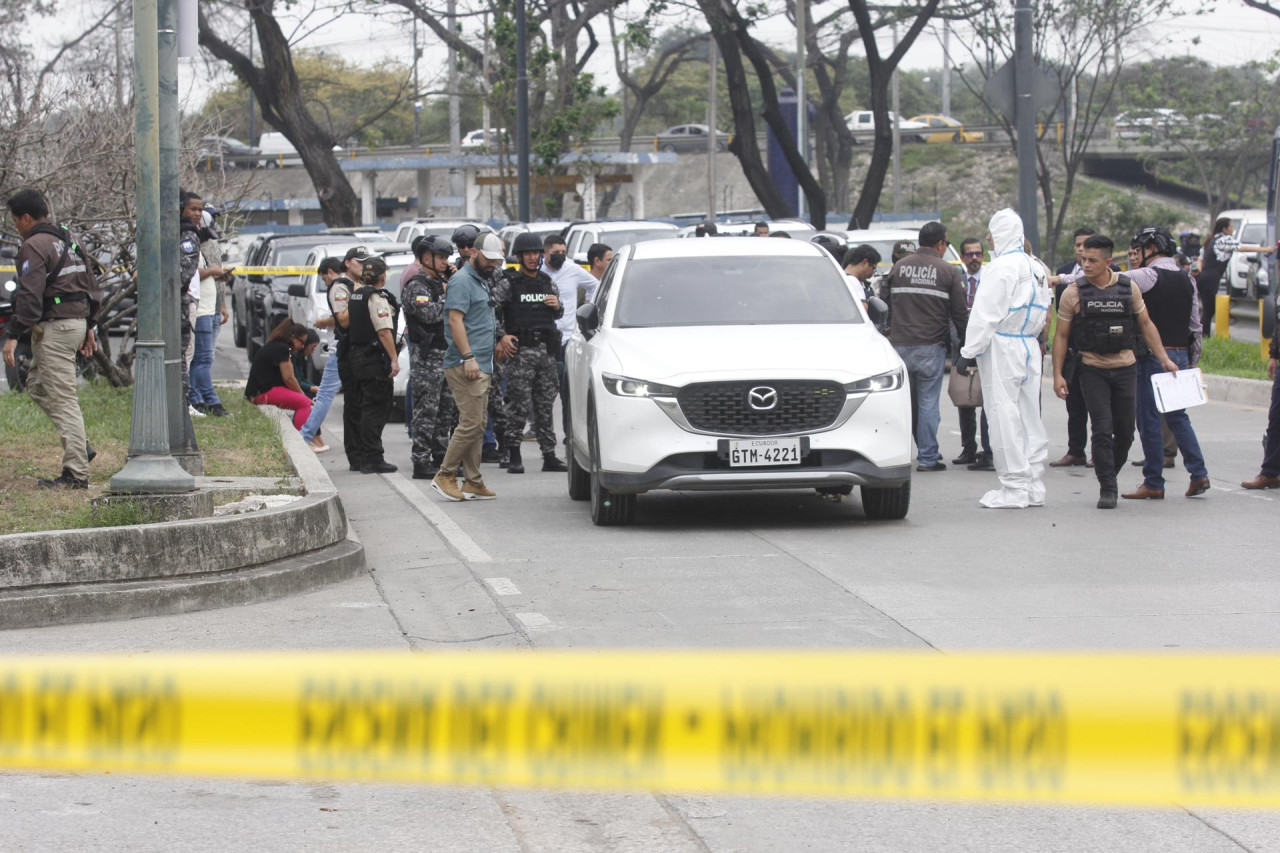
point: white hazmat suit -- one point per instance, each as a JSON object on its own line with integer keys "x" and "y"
{"x": 1009, "y": 311}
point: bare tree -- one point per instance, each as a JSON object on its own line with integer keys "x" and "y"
{"x": 1086, "y": 43}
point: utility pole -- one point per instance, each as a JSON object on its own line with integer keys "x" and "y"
{"x": 713, "y": 143}
{"x": 455, "y": 120}
{"x": 118, "y": 28}
{"x": 897, "y": 134}
{"x": 417, "y": 105}
{"x": 253, "y": 130}
{"x": 1025, "y": 121}
{"x": 484, "y": 84}
{"x": 802, "y": 130}
{"x": 946, "y": 67}
{"x": 150, "y": 468}
{"x": 522, "y": 111}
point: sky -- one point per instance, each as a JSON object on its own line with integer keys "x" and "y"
{"x": 1231, "y": 34}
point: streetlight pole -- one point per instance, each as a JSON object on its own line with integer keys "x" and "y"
{"x": 713, "y": 143}
{"x": 522, "y": 111}
{"x": 802, "y": 131}
{"x": 1025, "y": 121}
{"x": 150, "y": 469}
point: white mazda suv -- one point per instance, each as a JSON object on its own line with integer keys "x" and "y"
{"x": 722, "y": 364}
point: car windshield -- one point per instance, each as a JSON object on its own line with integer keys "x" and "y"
{"x": 727, "y": 291}
{"x": 617, "y": 239}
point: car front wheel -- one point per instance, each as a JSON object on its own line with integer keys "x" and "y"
{"x": 889, "y": 504}
{"x": 579, "y": 478}
{"x": 237, "y": 327}
{"x": 607, "y": 509}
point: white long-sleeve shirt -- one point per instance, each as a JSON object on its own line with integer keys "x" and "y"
{"x": 566, "y": 279}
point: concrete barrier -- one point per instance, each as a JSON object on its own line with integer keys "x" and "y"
{"x": 1244, "y": 392}
{"x": 64, "y": 576}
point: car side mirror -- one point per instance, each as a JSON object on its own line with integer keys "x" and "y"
{"x": 298, "y": 290}
{"x": 878, "y": 310}
{"x": 588, "y": 319}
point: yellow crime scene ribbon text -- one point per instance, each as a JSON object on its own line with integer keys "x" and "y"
{"x": 1113, "y": 729}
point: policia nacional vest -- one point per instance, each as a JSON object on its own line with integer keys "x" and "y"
{"x": 360, "y": 331}
{"x": 1106, "y": 324}
{"x": 1169, "y": 304}
{"x": 526, "y": 315}
{"x": 426, "y": 335}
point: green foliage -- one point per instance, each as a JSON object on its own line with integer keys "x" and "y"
{"x": 342, "y": 96}
{"x": 1115, "y": 212}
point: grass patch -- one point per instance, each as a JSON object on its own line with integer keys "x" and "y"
{"x": 1233, "y": 358}
{"x": 246, "y": 445}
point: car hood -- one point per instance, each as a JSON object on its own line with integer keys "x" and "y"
{"x": 842, "y": 352}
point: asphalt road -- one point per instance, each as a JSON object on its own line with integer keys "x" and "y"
{"x": 769, "y": 570}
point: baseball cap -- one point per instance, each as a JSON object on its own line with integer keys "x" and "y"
{"x": 358, "y": 253}
{"x": 490, "y": 245}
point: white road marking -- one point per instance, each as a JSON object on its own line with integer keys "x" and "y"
{"x": 534, "y": 620}
{"x": 502, "y": 586}
{"x": 436, "y": 517}
{"x": 359, "y": 605}
{"x": 1244, "y": 493}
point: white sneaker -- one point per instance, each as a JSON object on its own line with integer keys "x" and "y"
{"x": 319, "y": 448}
{"x": 194, "y": 412}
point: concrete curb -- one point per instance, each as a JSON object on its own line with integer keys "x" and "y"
{"x": 1232, "y": 389}
{"x": 60, "y": 577}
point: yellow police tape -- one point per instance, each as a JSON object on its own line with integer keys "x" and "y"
{"x": 1132, "y": 729}
{"x": 273, "y": 270}
{"x": 4, "y": 269}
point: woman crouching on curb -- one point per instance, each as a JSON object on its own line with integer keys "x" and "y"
{"x": 272, "y": 381}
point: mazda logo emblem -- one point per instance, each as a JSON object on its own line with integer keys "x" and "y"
{"x": 762, "y": 398}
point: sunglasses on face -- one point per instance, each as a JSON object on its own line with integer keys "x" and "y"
{"x": 973, "y": 254}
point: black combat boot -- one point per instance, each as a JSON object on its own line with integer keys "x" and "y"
{"x": 504, "y": 458}
{"x": 380, "y": 467}
{"x": 516, "y": 465}
{"x": 490, "y": 454}
{"x": 66, "y": 480}
{"x": 551, "y": 463}
{"x": 1107, "y": 498}
{"x": 425, "y": 470}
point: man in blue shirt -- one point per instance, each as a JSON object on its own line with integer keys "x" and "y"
{"x": 468, "y": 368}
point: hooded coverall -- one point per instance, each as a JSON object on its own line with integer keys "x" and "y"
{"x": 1009, "y": 311}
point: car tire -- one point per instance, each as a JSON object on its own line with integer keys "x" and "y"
{"x": 251, "y": 345}
{"x": 607, "y": 509}
{"x": 16, "y": 376}
{"x": 238, "y": 331}
{"x": 958, "y": 137}
{"x": 669, "y": 148}
{"x": 889, "y": 504}
{"x": 579, "y": 479}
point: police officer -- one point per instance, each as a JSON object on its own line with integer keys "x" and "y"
{"x": 433, "y": 408}
{"x": 1109, "y": 310}
{"x": 464, "y": 237}
{"x": 371, "y": 346}
{"x": 57, "y": 304}
{"x": 528, "y": 307}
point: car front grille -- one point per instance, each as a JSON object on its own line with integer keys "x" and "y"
{"x": 726, "y": 408}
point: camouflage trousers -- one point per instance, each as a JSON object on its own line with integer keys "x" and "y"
{"x": 497, "y": 406}
{"x": 434, "y": 412}
{"x": 531, "y": 374}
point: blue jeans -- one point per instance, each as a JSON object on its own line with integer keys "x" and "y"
{"x": 1149, "y": 426}
{"x": 329, "y": 385}
{"x": 206, "y": 334}
{"x": 924, "y": 371}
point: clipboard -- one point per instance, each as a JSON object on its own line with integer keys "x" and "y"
{"x": 1183, "y": 391}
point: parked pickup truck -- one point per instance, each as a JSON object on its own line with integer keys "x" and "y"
{"x": 863, "y": 125}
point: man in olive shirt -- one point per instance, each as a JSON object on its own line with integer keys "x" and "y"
{"x": 1108, "y": 309}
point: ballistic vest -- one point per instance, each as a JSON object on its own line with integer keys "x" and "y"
{"x": 525, "y": 310}
{"x": 1106, "y": 320}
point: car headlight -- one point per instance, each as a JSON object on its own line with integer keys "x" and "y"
{"x": 626, "y": 387}
{"x": 890, "y": 381}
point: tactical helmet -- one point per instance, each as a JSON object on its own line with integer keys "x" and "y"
{"x": 464, "y": 236}
{"x": 1154, "y": 235}
{"x": 433, "y": 243}
{"x": 526, "y": 241}
{"x": 833, "y": 245}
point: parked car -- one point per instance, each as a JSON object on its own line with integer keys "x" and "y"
{"x": 474, "y": 141}
{"x": 615, "y": 235}
{"x": 412, "y": 229}
{"x": 694, "y": 371}
{"x": 1246, "y": 276}
{"x": 795, "y": 228}
{"x": 883, "y": 240}
{"x": 863, "y": 125}
{"x": 1153, "y": 124}
{"x": 217, "y": 152}
{"x": 946, "y": 129}
{"x": 683, "y": 138}
{"x": 542, "y": 229}
{"x": 309, "y": 297}
{"x": 259, "y": 302}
